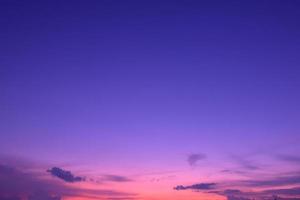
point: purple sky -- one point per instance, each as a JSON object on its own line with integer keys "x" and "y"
{"x": 191, "y": 89}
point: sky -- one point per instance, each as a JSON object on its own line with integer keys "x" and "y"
{"x": 149, "y": 100}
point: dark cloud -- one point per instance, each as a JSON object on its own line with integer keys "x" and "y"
{"x": 115, "y": 178}
{"x": 65, "y": 175}
{"x": 289, "y": 158}
{"x": 285, "y": 198}
{"x": 280, "y": 187}
{"x": 229, "y": 192}
{"x": 253, "y": 189}
{"x": 270, "y": 197}
{"x": 233, "y": 197}
{"x": 286, "y": 191}
{"x": 200, "y": 186}
{"x": 232, "y": 192}
{"x": 285, "y": 194}
{"x": 194, "y": 158}
{"x": 15, "y": 183}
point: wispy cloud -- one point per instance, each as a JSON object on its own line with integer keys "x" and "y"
{"x": 40, "y": 195}
{"x": 284, "y": 186}
{"x": 235, "y": 171}
{"x": 199, "y": 186}
{"x": 194, "y": 158}
{"x": 281, "y": 180}
{"x": 115, "y": 178}
{"x": 245, "y": 163}
{"x": 289, "y": 158}
{"x": 287, "y": 193}
{"x": 15, "y": 182}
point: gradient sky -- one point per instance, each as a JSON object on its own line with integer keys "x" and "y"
{"x": 149, "y": 100}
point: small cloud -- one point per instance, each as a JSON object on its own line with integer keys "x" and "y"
{"x": 232, "y": 191}
{"x": 229, "y": 192}
{"x": 40, "y": 195}
{"x": 232, "y": 197}
{"x": 200, "y": 186}
{"x": 162, "y": 178}
{"x": 65, "y": 175}
{"x": 245, "y": 163}
{"x": 115, "y": 178}
{"x": 233, "y": 171}
{"x": 194, "y": 158}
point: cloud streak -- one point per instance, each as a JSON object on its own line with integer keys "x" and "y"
{"x": 115, "y": 178}
{"x": 287, "y": 193}
{"x": 285, "y": 186}
{"x": 276, "y": 181}
{"x": 289, "y": 158}
{"x": 199, "y": 186}
{"x": 245, "y": 163}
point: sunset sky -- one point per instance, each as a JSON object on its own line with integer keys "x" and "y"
{"x": 149, "y": 100}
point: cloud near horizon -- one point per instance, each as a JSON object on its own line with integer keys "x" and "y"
{"x": 284, "y": 194}
{"x": 281, "y": 180}
{"x": 285, "y": 187}
{"x": 199, "y": 186}
{"x": 15, "y": 182}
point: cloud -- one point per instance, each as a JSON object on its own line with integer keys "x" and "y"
{"x": 194, "y": 158}
{"x": 232, "y": 197}
{"x": 65, "y": 175}
{"x": 10, "y": 198}
{"x": 162, "y": 178}
{"x": 200, "y": 186}
{"x": 233, "y": 171}
{"x": 270, "y": 197}
{"x": 284, "y": 198}
{"x": 276, "y": 194}
{"x": 15, "y": 182}
{"x": 271, "y": 182}
{"x": 270, "y": 194}
{"x": 289, "y": 158}
{"x": 115, "y": 178}
{"x": 40, "y": 195}
{"x": 285, "y": 186}
{"x": 232, "y": 191}
{"x": 286, "y": 191}
{"x": 245, "y": 164}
